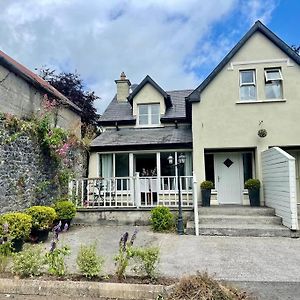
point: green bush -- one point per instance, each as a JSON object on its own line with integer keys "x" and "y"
{"x": 161, "y": 218}
{"x": 147, "y": 259}
{"x": 42, "y": 217}
{"x": 89, "y": 263}
{"x": 56, "y": 260}
{"x": 29, "y": 262}
{"x": 65, "y": 210}
{"x": 19, "y": 225}
{"x": 5, "y": 253}
{"x": 206, "y": 185}
{"x": 252, "y": 184}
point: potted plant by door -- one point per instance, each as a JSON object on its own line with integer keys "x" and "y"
{"x": 253, "y": 186}
{"x": 206, "y": 187}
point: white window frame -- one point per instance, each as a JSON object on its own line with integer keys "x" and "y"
{"x": 149, "y": 114}
{"x": 269, "y": 81}
{"x": 253, "y": 83}
{"x": 280, "y": 78}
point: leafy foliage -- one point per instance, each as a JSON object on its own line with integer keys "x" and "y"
{"x": 71, "y": 85}
{"x": 161, "y": 218}
{"x": 56, "y": 260}
{"x": 147, "y": 260}
{"x": 252, "y": 184}
{"x": 206, "y": 185}
{"x": 125, "y": 254}
{"x": 89, "y": 263}
{"x": 65, "y": 210}
{"x": 19, "y": 225}
{"x": 29, "y": 262}
{"x": 42, "y": 217}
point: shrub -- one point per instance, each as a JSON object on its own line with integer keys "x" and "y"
{"x": 42, "y": 217}
{"x": 89, "y": 263}
{"x": 29, "y": 262}
{"x": 65, "y": 210}
{"x": 125, "y": 254}
{"x": 5, "y": 253}
{"x": 161, "y": 218}
{"x": 56, "y": 260}
{"x": 19, "y": 225}
{"x": 206, "y": 185}
{"x": 252, "y": 184}
{"x": 147, "y": 259}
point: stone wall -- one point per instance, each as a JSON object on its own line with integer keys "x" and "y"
{"x": 27, "y": 174}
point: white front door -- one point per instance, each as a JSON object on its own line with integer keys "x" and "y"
{"x": 229, "y": 177}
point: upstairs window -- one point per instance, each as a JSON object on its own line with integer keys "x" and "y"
{"x": 149, "y": 114}
{"x": 273, "y": 84}
{"x": 247, "y": 85}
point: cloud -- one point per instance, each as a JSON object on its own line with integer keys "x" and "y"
{"x": 170, "y": 40}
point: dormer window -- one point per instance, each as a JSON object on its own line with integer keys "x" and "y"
{"x": 273, "y": 83}
{"x": 148, "y": 114}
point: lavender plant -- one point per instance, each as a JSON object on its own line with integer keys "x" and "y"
{"x": 56, "y": 256}
{"x": 125, "y": 254}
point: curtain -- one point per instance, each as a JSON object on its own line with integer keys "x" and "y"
{"x": 188, "y": 166}
{"x": 106, "y": 165}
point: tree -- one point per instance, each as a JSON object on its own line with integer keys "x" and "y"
{"x": 296, "y": 49}
{"x": 72, "y": 86}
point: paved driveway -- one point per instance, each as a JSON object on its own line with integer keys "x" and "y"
{"x": 229, "y": 258}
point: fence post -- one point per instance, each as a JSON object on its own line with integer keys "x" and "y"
{"x": 137, "y": 191}
{"x": 195, "y": 201}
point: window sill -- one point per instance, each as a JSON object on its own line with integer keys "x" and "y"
{"x": 149, "y": 126}
{"x": 260, "y": 101}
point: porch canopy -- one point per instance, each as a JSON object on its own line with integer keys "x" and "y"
{"x": 143, "y": 139}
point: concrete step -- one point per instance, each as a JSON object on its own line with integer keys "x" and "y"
{"x": 238, "y": 219}
{"x": 236, "y": 210}
{"x": 263, "y": 230}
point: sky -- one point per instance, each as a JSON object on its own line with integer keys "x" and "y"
{"x": 177, "y": 42}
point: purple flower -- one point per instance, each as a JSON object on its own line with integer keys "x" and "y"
{"x": 133, "y": 237}
{"x": 66, "y": 227}
{"x": 52, "y": 246}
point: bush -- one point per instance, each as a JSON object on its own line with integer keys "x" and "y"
{"x": 65, "y": 210}
{"x": 19, "y": 225}
{"x": 56, "y": 260}
{"x": 147, "y": 259}
{"x": 5, "y": 253}
{"x": 161, "y": 218}
{"x": 206, "y": 185}
{"x": 42, "y": 217}
{"x": 89, "y": 263}
{"x": 252, "y": 184}
{"x": 29, "y": 262}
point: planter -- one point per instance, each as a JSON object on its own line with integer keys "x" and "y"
{"x": 254, "y": 197}
{"x": 17, "y": 245}
{"x": 206, "y": 197}
{"x": 64, "y": 222}
{"x": 37, "y": 236}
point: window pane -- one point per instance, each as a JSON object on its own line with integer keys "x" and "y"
{"x": 155, "y": 109}
{"x": 165, "y": 168}
{"x": 273, "y": 90}
{"x": 248, "y": 92}
{"x": 209, "y": 167}
{"x": 143, "y": 109}
{"x": 273, "y": 75}
{"x": 122, "y": 170}
{"x": 247, "y": 164}
{"x": 155, "y": 119}
{"x": 106, "y": 165}
{"x": 247, "y": 77}
{"x": 143, "y": 119}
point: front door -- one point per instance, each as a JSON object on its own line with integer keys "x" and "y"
{"x": 296, "y": 154}
{"x": 229, "y": 177}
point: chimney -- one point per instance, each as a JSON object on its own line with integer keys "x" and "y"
{"x": 123, "y": 85}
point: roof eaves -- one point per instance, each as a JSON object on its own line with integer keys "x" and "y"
{"x": 258, "y": 26}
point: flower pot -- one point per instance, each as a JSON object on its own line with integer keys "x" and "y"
{"x": 254, "y": 197}
{"x": 37, "y": 236}
{"x": 17, "y": 245}
{"x": 206, "y": 197}
{"x": 64, "y": 222}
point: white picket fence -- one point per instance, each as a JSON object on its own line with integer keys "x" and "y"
{"x": 132, "y": 191}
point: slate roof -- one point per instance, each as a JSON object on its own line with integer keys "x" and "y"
{"x": 122, "y": 112}
{"x": 258, "y": 26}
{"x": 144, "y": 138}
{"x": 34, "y": 79}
